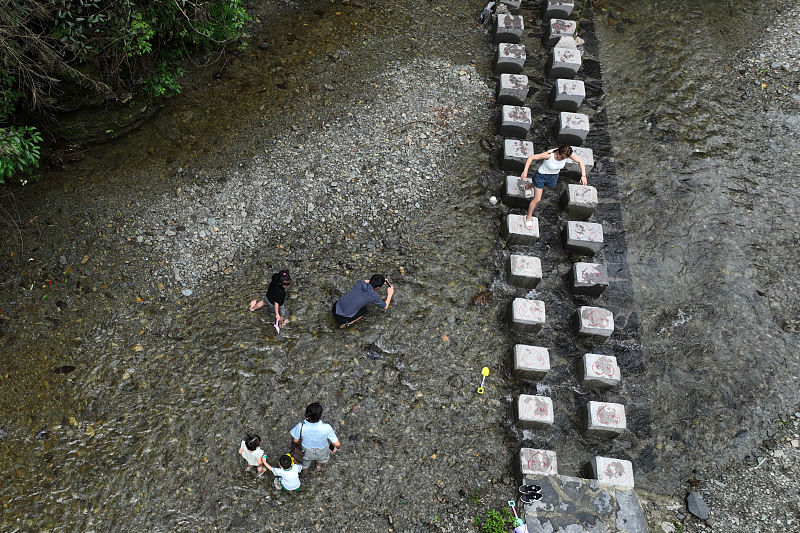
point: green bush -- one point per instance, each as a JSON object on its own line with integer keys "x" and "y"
{"x": 19, "y": 152}
{"x": 497, "y": 522}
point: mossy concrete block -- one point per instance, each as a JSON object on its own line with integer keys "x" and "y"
{"x": 512, "y": 89}
{"x": 510, "y": 58}
{"x": 515, "y": 153}
{"x": 583, "y": 237}
{"x": 559, "y": 9}
{"x": 605, "y": 419}
{"x": 508, "y": 28}
{"x": 567, "y": 95}
{"x": 534, "y": 411}
{"x": 600, "y": 371}
{"x": 516, "y": 232}
{"x": 524, "y": 271}
{"x": 515, "y": 121}
{"x": 594, "y": 322}
{"x": 615, "y": 472}
{"x": 527, "y": 315}
{"x": 531, "y": 362}
{"x": 558, "y": 28}
{"x": 588, "y": 279}
{"x": 564, "y": 63}
{"x": 538, "y": 462}
{"x": 515, "y": 192}
{"x": 571, "y": 128}
{"x": 574, "y": 169}
{"x": 579, "y": 201}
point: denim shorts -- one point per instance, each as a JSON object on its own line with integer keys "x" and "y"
{"x": 540, "y": 180}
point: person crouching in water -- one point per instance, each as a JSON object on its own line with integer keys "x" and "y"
{"x": 276, "y": 296}
{"x": 287, "y": 477}
{"x": 352, "y": 307}
{"x": 547, "y": 174}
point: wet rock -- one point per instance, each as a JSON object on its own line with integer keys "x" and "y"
{"x": 697, "y": 506}
{"x": 42, "y": 434}
{"x": 263, "y": 45}
{"x": 3, "y": 434}
{"x": 66, "y": 369}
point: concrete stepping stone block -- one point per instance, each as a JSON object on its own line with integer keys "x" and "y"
{"x": 512, "y": 5}
{"x": 574, "y": 169}
{"x": 510, "y": 59}
{"x": 512, "y": 89}
{"x": 605, "y": 419}
{"x": 515, "y": 121}
{"x": 514, "y": 195}
{"x": 610, "y": 471}
{"x": 508, "y": 28}
{"x": 527, "y": 315}
{"x": 583, "y": 237}
{"x": 595, "y": 322}
{"x": 567, "y": 95}
{"x": 564, "y": 63}
{"x": 538, "y": 462}
{"x": 579, "y": 201}
{"x": 515, "y": 231}
{"x": 600, "y": 370}
{"x": 515, "y": 153}
{"x": 571, "y": 128}
{"x": 531, "y": 362}
{"x": 558, "y": 9}
{"x": 534, "y": 411}
{"x": 524, "y": 271}
{"x": 588, "y": 279}
{"x": 558, "y": 28}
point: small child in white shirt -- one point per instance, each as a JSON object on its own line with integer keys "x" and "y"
{"x": 287, "y": 477}
{"x": 253, "y": 454}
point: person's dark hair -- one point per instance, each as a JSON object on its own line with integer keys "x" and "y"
{"x": 285, "y": 461}
{"x": 377, "y": 281}
{"x": 313, "y": 412}
{"x": 252, "y": 442}
{"x": 564, "y": 150}
{"x": 284, "y": 277}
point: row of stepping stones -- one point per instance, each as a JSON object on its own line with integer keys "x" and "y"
{"x": 603, "y": 419}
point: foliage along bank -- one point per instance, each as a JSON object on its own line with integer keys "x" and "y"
{"x": 110, "y": 49}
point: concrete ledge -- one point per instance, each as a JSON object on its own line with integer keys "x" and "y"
{"x": 515, "y": 121}
{"x": 594, "y": 322}
{"x": 588, "y": 279}
{"x": 531, "y": 362}
{"x": 615, "y": 472}
{"x": 575, "y": 505}
{"x": 538, "y": 462}
{"x": 514, "y": 195}
{"x": 508, "y": 28}
{"x": 512, "y": 5}
{"x": 579, "y": 201}
{"x": 515, "y": 231}
{"x": 512, "y": 89}
{"x": 600, "y": 370}
{"x": 560, "y": 9}
{"x": 510, "y": 58}
{"x": 583, "y": 237}
{"x": 524, "y": 271}
{"x": 574, "y": 169}
{"x": 534, "y": 411}
{"x": 564, "y": 63}
{"x": 527, "y": 315}
{"x": 571, "y": 128}
{"x": 515, "y": 153}
{"x": 558, "y": 28}
{"x": 605, "y": 419}
{"x": 567, "y": 95}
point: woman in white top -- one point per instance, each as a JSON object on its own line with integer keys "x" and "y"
{"x": 547, "y": 174}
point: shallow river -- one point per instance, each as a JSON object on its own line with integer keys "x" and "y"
{"x": 142, "y": 434}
